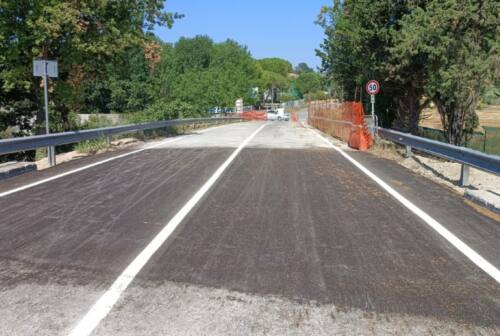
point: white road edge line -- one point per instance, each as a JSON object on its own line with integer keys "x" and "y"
{"x": 473, "y": 256}
{"x": 106, "y": 302}
{"x": 55, "y": 177}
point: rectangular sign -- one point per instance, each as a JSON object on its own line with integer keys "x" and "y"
{"x": 40, "y": 66}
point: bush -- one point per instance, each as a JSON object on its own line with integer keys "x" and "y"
{"x": 319, "y": 95}
{"x": 163, "y": 110}
{"x": 97, "y": 121}
{"x": 91, "y": 146}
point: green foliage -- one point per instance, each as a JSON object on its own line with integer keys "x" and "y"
{"x": 274, "y": 76}
{"x": 91, "y": 146}
{"x": 205, "y": 74}
{"x": 302, "y": 68}
{"x": 193, "y": 54}
{"x": 276, "y": 65}
{"x": 317, "y": 95}
{"x": 97, "y": 121}
{"x": 357, "y": 47}
{"x": 492, "y": 94}
{"x": 110, "y": 62}
{"x": 84, "y": 36}
{"x": 163, "y": 110}
{"x": 308, "y": 82}
{"x": 420, "y": 50}
{"x": 458, "y": 41}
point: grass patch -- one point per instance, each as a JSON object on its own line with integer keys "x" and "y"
{"x": 92, "y": 146}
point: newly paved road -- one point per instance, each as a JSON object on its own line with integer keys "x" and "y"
{"x": 291, "y": 239}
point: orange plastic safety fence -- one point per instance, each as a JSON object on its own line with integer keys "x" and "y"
{"x": 345, "y": 121}
{"x": 254, "y": 115}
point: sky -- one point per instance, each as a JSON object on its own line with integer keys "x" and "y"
{"x": 269, "y": 28}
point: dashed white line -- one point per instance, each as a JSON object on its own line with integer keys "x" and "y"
{"x": 106, "y": 302}
{"x": 473, "y": 256}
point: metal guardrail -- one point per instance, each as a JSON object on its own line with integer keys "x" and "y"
{"x": 466, "y": 156}
{"x": 15, "y": 145}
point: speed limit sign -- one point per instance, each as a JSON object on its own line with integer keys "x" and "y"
{"x": 372, "y": 87}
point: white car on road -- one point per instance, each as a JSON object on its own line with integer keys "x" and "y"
{"x": 279, "y": 114}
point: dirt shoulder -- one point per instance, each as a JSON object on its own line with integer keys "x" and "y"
{"x": 484, "y": 188}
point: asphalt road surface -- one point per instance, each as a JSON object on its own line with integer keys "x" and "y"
{"x": 245, "y": 229}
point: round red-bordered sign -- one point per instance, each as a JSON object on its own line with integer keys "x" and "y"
{"x": 372, "y": 87}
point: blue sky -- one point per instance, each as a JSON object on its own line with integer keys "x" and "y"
{"x": 269, "y": 28}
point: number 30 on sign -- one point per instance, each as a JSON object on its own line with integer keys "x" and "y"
{"x": 372, "y": 87}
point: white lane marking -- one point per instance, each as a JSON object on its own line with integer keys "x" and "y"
{"x": 55, "y": 177}
{"x": 106, "y": 302}
{"x": 477, "y": 259}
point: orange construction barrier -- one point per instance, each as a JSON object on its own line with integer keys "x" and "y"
{"x": 345, "y": 121}
{"x": 254, "y": 115}
{"x": 295, "y": 118}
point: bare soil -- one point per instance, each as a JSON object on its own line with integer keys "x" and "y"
{"x": 488, "y": 116}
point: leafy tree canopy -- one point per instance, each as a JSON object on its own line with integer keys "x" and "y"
{"x": 84, "y": 36}
{"x": 420, "y": 50}
{"x": 276, "y": 65}
{"x": 302, "y": 67}
{"x": 309, "y": 82}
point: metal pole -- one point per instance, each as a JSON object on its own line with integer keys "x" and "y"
{"x": 409, "y": 153}
{"x": 51, "y": 155}
{"x": 46, "y": 96}
{"x": 374, "y": 124}
{"x": 485, "y": 138}
{"x": 464, "y": 176}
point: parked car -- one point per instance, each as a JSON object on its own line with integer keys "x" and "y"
{"x": 278, "y": 114}
{"x": 272, "y": 115}
{"x": 286, "y": 117}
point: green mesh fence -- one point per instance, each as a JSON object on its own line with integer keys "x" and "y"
{"x": 487, "y": 142}
{"x": 491, "y": 140}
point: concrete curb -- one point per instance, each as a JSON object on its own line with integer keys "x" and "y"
{"x": 14, "y": 168}
{"x": 484, "y": 198}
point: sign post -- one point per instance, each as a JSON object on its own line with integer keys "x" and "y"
{"x": 239, "y": 106}
{"x": 373, "y": 88}
{"x": 46, "y": 69}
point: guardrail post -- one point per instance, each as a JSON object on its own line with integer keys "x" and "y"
{"x": 464, "y": 176}
{"x": 409, "y": 153}
{"x": 51, "y": 155}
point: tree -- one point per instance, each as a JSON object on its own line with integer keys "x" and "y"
{"x": 84, "y": 36}
{"x": 276, "y": 65}
{"x": 302, "y": 68}
{"x": 129, "y": 82}
{"x": 205, "y": 74}
{"x": 357, "y": 47}
{"x": 308, "y": 82}
{"x": 193, "y": 53}
{"x": 273, "y": 76}
{"x": 458, "y": 43}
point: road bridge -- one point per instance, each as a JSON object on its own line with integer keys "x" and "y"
{"x": 249, "y": 228}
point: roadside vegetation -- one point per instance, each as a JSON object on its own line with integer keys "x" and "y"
{"x": 440, "y": 52}
{"x": 111, "y": 62}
